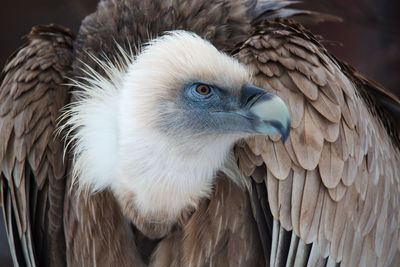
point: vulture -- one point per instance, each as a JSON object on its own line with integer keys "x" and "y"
{"x": 196, "y": 133}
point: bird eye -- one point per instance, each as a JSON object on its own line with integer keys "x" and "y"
{"x": 203, "y": 89}
{"x": 200, "y": 92}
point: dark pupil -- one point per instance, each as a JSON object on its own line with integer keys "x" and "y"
{"x": 203, "y": 90}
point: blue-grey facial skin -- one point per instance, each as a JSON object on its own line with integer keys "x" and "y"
{"x": 251, "y": 110}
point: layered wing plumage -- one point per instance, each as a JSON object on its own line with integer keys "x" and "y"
{"x": 335, "y": 182}
{"x": 32, "y": 171}
{"x": 329, "y": 194}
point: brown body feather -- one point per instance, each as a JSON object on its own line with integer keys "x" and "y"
{"x": 330, "y": 190}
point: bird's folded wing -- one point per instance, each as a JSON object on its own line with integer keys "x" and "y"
{"x": 32, "y": 173}
{"x": 335, "y": 182}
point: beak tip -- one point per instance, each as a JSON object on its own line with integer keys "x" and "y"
{"x": 286, "y": 133}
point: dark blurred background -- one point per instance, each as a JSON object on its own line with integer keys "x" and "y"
{"x": 369, "y": 36}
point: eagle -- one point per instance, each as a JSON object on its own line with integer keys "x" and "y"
{"x": 196, "y": 133}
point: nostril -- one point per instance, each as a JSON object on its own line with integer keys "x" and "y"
{"x": 250, "y": 94}
{"x": 251, "y": 99}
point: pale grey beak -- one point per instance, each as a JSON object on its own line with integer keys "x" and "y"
{"x": 258, "y": 112}
{"x": 268, "y": 112}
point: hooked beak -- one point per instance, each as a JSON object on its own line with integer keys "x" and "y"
{"x": 259, "y": 112}
{"x": 268, "y": 112}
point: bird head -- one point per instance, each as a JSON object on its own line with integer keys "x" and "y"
{"x": 183, "y": 87}
{"x": 168, "y": 119}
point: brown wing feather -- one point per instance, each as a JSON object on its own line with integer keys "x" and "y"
{"x": 32, "y": 169}
{"x": 342, "y": 158}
